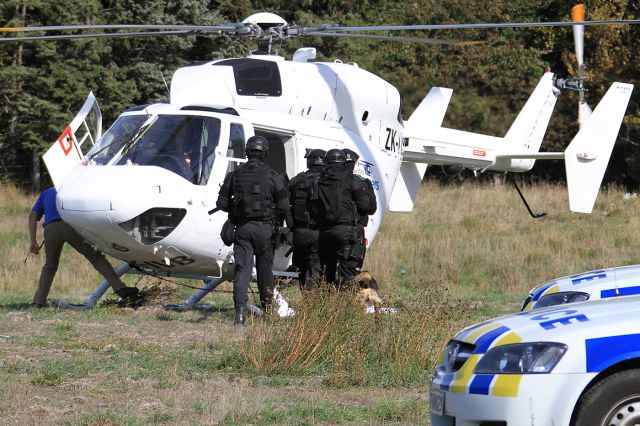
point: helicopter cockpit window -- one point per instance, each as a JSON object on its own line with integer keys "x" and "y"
{"x": 121, "y": 132}
{"x": 236, "y": 144}
{"x": 184, "y": 145}
{"x": 236, "y": 141}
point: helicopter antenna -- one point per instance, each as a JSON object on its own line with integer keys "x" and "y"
{"x": 165, "y": 84}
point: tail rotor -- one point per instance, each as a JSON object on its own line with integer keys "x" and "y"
{"x": 577, "y": 15}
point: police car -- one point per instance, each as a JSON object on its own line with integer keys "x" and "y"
{"x": 600, "y": 284}
{"x": 572, "y": 365}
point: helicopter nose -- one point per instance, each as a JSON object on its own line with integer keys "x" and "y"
{"x": 104, "y": 195}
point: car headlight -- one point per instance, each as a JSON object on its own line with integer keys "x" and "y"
{"x": 456, "y": 353}
{"x": 561, "y": 298}
{"x": 521, "y": 358}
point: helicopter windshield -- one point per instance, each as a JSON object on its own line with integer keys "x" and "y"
{"x": 182, "y": 144}
{"x": 121, "y": 132}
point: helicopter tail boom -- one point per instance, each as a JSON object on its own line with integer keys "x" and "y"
{"x": 430, "y": 143}
{"x": 588, "y": 154}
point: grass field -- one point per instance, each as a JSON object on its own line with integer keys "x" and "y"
{"x": 466, "y": 253}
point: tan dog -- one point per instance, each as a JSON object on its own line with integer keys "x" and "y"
{"x": 367, "y": 294}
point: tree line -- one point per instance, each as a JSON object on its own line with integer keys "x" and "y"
{"x": 43, "y": 84}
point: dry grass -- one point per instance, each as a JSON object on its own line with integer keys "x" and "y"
{"x": 478, "y": 239}
{"x": 332, "y": 336}
{"x": 465, "y": 253}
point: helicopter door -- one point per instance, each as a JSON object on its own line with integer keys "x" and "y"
{"x": 281, "y": 156}
{"x": 235, "y": 150}
{"x": 66, "y": 153}
{"x": 235, "y": 155}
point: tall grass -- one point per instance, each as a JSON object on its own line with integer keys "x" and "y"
{"x": 332, "y": 336}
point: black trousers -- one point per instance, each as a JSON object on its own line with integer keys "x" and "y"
{"x": 358, "y": 247}
{"x": 306, "y": 256}
{"x": 335, "y": 253}
{"x": 253, "y": 239}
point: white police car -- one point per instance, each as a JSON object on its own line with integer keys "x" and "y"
{"x": 573, "y": 365}
{"x": 600, "y": 284}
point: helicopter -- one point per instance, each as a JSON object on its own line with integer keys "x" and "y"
{"x": 142, "y": 191}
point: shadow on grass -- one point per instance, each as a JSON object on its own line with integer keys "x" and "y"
{"x": 19, "y": 306}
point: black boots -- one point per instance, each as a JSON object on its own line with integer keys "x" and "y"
{"x": 241, "y": 315}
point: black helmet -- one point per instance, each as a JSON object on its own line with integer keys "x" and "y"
{"x": 351, "y": 156}
{"x": 335, "y": 156}
{"x": 257, "y": 143}
{"x": 315, "y": 157}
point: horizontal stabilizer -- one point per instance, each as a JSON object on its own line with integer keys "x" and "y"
{"x": 587, "y": 156}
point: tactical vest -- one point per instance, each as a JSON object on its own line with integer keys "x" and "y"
{"x": 304, "y": 194}
{"x": 253, "y": 192}
{"x": 335, "y": 199}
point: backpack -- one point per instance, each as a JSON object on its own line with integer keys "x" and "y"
{"x": 330, "y": 189}
{"x": 304, "y": 194}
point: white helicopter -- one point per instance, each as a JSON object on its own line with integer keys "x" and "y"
{"x": 143, "y": 190}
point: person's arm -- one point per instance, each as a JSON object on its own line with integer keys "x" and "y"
{"x": 224, "y": 201}
{"x": 281, "y": 200}
{"x": 364, "y": 196}
{"x": 33, "y": 224}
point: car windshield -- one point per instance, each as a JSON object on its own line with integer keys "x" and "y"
{"x": 182, "y": 144}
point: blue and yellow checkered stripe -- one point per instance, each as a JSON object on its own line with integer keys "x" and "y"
{"x": 548, "y": 288}
{"x": 483, "y": 336}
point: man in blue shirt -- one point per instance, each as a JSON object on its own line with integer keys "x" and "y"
{"x": 56, "y": 233}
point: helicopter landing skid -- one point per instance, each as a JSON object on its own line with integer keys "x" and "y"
{"x": 92, "y": 300}
{"x": 192, "y": 301}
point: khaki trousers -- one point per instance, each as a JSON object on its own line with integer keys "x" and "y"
{"x": 55, "y": 235}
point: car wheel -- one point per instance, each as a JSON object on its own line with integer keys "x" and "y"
{"x": 615, "y": 401}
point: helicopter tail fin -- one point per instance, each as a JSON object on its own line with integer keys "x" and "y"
{"x": 530, "y": 125}
{"x": 588, "y": 154}
{"x": 430, "y": 112}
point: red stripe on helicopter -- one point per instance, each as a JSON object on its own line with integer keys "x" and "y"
{"x": 479, "y": 153}
{"x": 66, "y": 140}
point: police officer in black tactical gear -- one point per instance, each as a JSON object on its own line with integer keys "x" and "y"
{"x": 303, "y": 192}
{"x": 359, "y": 185}
{"x": 339, "y": 204}
{"x": 254, "y": 195}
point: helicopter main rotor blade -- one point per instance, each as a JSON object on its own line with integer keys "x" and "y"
{"x": 282, "y": 30}
{"x": 399, "y": 38}
{"x": 165, "y": 27}
{"x": 332, "y": 28}
{"x": 97, "y": 35}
